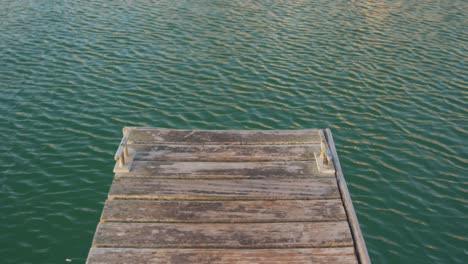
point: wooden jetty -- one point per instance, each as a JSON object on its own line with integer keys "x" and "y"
{"x": 234, "y": 196}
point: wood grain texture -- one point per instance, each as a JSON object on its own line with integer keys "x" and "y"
{"x": 341, "y": 255}
{"x": 262, "y": 189}
{"x": 270, "y": 169}
{"x": 236, "y": 137}
{"x": 215, "y": 235}
{"x": 198, "y": 196}
{"x": 223, "y": 211}
{"x": 224, "y": 152}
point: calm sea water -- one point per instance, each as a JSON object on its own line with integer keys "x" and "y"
{"x": 388, "y": 77}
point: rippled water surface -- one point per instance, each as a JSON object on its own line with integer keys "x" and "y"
{"x": 388, "y": 77}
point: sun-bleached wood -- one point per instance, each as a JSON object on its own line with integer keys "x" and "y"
{"x": 341, "y": 255}
{"x": 165, "y": 169}
{"x": 123, "y": 161}
{"x": 242, "y": 189}
{"x": 230, "y": 153}
{"x": 223, "y": 211}
{"x": 200, "y": 196}
{"x": 225, "y": 137}
{"x": 216, "y": 235}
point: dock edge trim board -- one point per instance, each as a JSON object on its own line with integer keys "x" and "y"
{"x": 360, "y": 245}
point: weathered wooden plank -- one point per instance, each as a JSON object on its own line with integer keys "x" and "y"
{"x": 271, "y": 169}
{"x": 216, "y": 235}
{"x": 199, "y": 189}
{"x": 224, "y": 152}
{"x": 360, "y": 245}
{"x": 223, "y": 211}
{"x": 342, "y": 255}
{"x": 167, "y": 136}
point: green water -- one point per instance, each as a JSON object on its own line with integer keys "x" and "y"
{"x": 388, "y": 77}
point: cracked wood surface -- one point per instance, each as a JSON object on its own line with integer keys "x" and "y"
{"x": 221, "y": 235}
{"x": 223, "y": 211}
{"x": 237, "y": 189}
